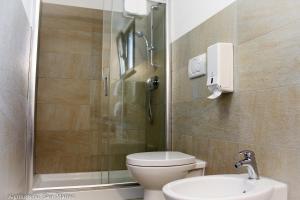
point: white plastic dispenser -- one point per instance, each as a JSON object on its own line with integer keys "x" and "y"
{"x": 220, "y": 69}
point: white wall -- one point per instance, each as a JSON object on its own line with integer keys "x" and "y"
{"x": 188, "y": 14}
{"x": 116, "y": 5}
{"x": 28, "y": 5}
{"x": 14, "y": 69}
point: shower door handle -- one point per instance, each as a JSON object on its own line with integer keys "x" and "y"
{"x": 106, "y": 86}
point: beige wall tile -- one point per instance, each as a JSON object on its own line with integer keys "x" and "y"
{"x": 279, "y": 114}
{"x": 185, "y": 89}
{"x": 291, "y": 173}
{"x": 71, "y": 18}
{"x": 55, "y": 117}
{"x": 66, "y": 66}
{"x": 201, "y": 147}
{"x": 63, "y": 12}
{"x": 60, "y": 117}
{"x": 222, "y": 156}
{"x": 63, "y": 41}
{"x": 66, "y": 151}
{"x": 256, "y": 18}
{"x": 54, "y": 65}
{"x": 83, "y": 120}
{"x": 271, "y": 60}
{"x": 69, "y": 121}
{"x": 137, "y": 135}
{"x": 65, "y": 91}
{"x": 117, "y": 162}
{"x": 180, "y": 51}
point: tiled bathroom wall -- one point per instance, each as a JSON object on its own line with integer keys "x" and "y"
{"x": 68, "y": 121}
{"x": 263, "y": 113}
{"x": 14, "y": 69}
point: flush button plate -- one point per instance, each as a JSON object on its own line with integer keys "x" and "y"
{"x": 197, "y": 66}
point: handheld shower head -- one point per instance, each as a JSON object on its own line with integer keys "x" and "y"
{"x": 141, "y": 34}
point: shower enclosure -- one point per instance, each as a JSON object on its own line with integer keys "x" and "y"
{"x": 101, "y": 93}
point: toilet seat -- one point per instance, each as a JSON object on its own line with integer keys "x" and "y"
{"x": 160, "y": 159}
{"x": 155, "y": 169}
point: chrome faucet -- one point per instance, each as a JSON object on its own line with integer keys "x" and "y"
{"x": 249, "y": 161}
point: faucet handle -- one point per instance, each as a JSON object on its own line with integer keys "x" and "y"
{"x": 247, "y": 153}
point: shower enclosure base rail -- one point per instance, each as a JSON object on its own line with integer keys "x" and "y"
{"x": 130, "y": 192}
{"x": 82, "y": 181}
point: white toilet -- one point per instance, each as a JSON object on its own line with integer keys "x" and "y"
{"x": 155, "y": 169}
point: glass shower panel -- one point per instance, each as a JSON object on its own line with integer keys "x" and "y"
{"x": 105, "y": 121}
{"x": 117, "y": 146}
{"x": 101, "y": 92}
{"x": 136, "y": 112}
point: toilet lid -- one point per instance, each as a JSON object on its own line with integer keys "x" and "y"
{"x": 160, "y": 159}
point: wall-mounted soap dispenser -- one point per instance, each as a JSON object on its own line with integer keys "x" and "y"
{"x": 220, "y": 69}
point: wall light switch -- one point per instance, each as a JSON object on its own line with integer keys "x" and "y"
{"x": 197, "y": 66}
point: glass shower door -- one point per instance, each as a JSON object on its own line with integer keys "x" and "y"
{"x": 101, "y": 93}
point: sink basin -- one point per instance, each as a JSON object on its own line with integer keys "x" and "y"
{"x": 225, "y": 187}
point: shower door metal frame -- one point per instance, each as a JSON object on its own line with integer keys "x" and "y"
{"x": 168, "y": 109}
{"x": 31, "y": 96}
{"x": 31, "y": 106}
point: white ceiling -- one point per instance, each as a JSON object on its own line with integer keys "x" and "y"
{"x": 188, "y": 14}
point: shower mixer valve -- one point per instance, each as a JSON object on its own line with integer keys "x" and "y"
{"x": 152, "y": 83}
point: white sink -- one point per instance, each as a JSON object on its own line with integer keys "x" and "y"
{"x": 225, "y": 187}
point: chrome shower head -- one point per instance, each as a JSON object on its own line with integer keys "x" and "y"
{"x": 141, "y": 34}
